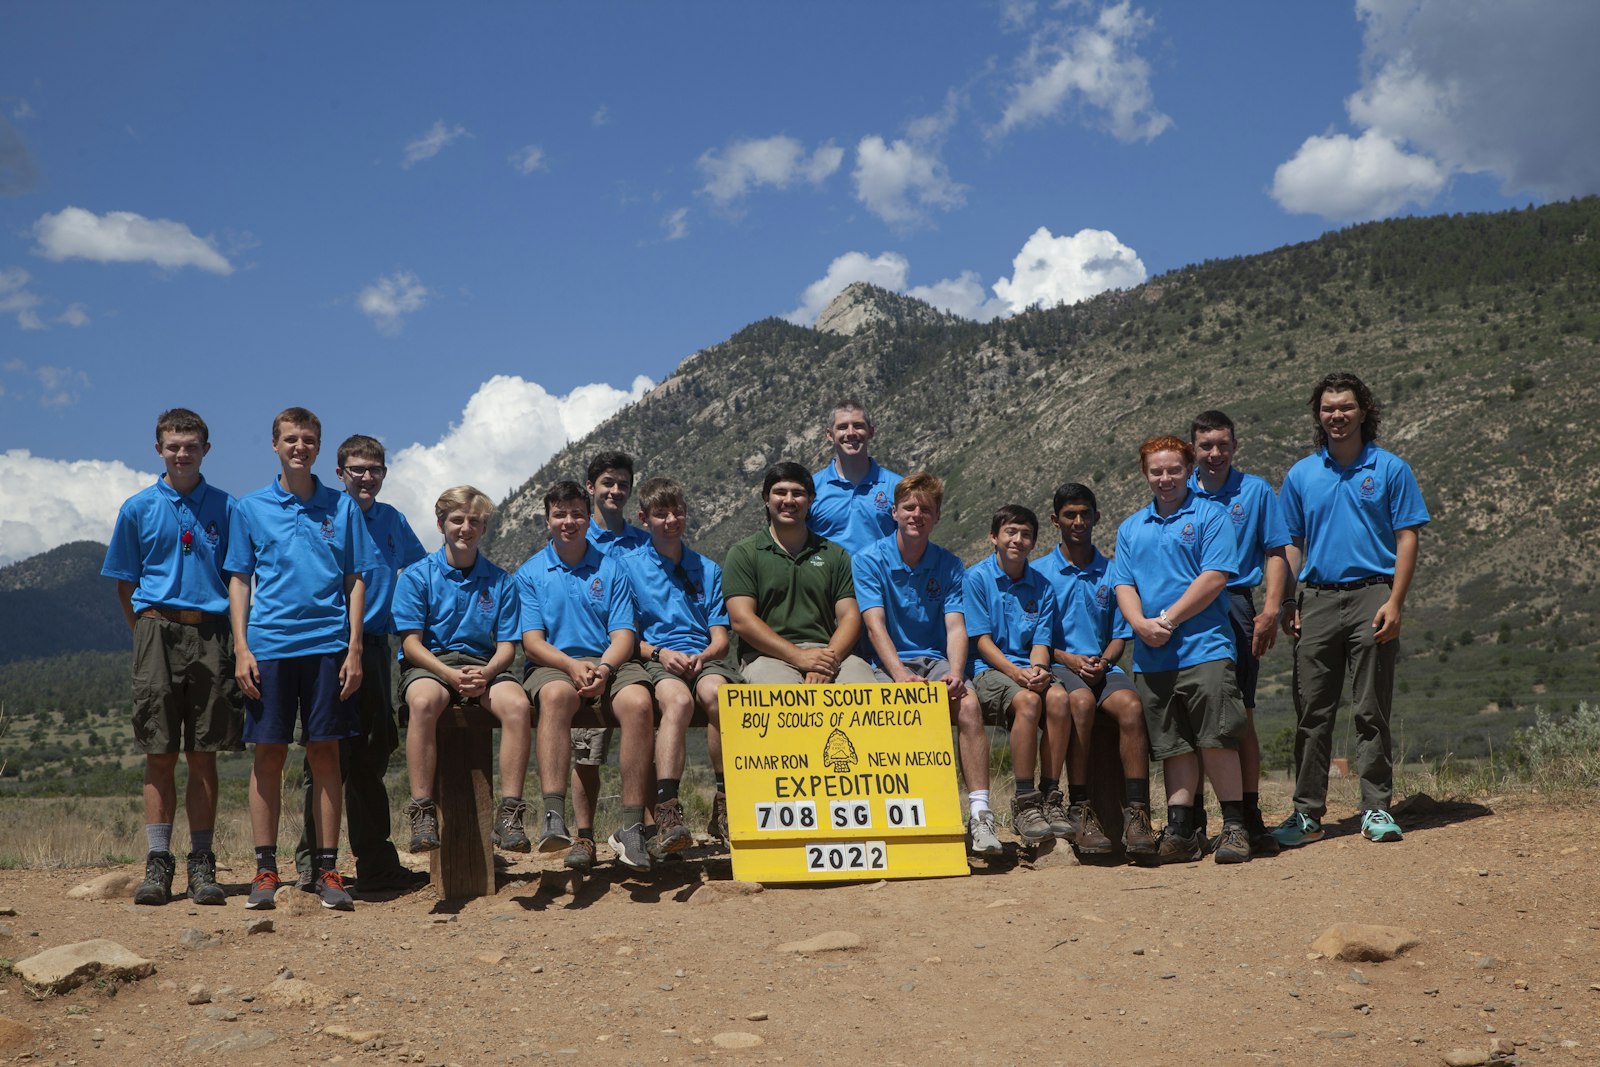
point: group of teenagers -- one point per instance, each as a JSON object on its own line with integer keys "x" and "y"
{"x": 289, "y": 607}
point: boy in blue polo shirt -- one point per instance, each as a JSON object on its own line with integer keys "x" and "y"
{"x": 1090, "y": 636}
{"x": 1174, "y": 557}
{"x": 457, "y": 614}
{"x": 1354, "y": 512}
{"x": 297, "y": 641}
{"x": 1258, "y": 529}
{"x": 166, "y": 555}
{"x": 578, "y": 634}
{"x": 854, "y": 496}
{"x": 1010, "y": 614}
{"x": 364, "y": 758}
{"x": 909, "y": 591}
{"x": 684, "y": 646}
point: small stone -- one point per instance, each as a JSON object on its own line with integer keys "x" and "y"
{"x": 1483, "y": 873}
{"x": 198, "y": 994}
{"x": 680, "y": 973}
{"x": 1501, "y": 1046}
{"x": 218, "y": 1013}
{"x": 934, "y": 960}
{"x": 1337, "y": 1033}
{"x": 1003, "y": 902}
{"x": 907, "y": 987}
{"x": 1486, "y": 963}
{"x": 831, "y": 941}
{"x": 666, "y": 987}
{"x": 756, "y": 1017}
{"x": 492, "y": 958}
{"x": 624, "y": 950}
{"x": 405, "y": 946}
{"x": 1431, "y": 991}
{"x": 537, "y": 968}
{"x": 1464, "y": 1057}
{"x": 355, "y": 1037}
{"x": 736, "y": 1039}
{"x": 1168, "y": 975}
{"x": 259, "y": 926}
{"x": 8, "y": 910}
{"x": 1138, "y": 952}
{"x": 1356, "y": 942}
{"x": 1520, "y": 983}
{"x": 229, "y": 1043}
{"x": 192, "y": 938}
{"x": 299, "y": 993}
{"x": 1357, "y": 977}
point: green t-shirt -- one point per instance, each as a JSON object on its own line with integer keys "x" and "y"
{"x": 795, "y": 594}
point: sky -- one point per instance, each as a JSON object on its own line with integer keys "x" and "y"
{"x": 476, "y": 232}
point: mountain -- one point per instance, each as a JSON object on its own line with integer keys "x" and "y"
{"x": 1478, "y": 333}
{"x": 57, "y": 602}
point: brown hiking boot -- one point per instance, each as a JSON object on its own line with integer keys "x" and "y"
{"x": 1027, "y": 819}
{"x": 1138, "y": 836}
{"x": 1091, "y": 838}
{"x": 672, "y": 833}
{"x": 580, "y": 857}
{"x": 1055, "y": 813}
{"x": 717, "y": 826}
{"x": 1175, "y": 848}
{"x": 424, "y": 818}
{"x": 508, "y": 832}
{"x": 1232, "y": 845}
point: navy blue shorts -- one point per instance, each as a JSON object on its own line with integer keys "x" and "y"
{"x": 1246, "y": 668}
{"x": 303, "y": 690}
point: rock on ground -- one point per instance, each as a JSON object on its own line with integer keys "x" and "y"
{"x": 831, "y": 941}
{"x": 736, "y": 1039}
{"x": 117, "y": 885}
{"x": 1362, "y": 942}
{"x": 64, "y": 967}
{"x": 229, "y": 1042}
{"x": 299, "y": 993}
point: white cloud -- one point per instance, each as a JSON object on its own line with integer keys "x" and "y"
{"x": 509, "y": 427}
{"x": 1458, "y": 87}
{"x": 778, "y": 161}
{"x": 1048, "y": 270}
{"x": 388, "y": 299}
{"x": 1093, "y": 66}
{"x": 431, "y": 143}
{"x": 124, "y": 237}
{"x": 74, "y": 315}
{"x": 898, "y": 181}
{"x": 1016, "y": 14}
{"x": 1345, "y": 179}
{"x": 527, "y": 159}
{"x": 1064, "y": 270}
{"x": 601, "y": 116}
{"x": 48, "y": 502}
{"x": 23, "y": 111}
{"x": 16, "y": 299}
{"x": 676, "y": 224}
{"x": 887, "y": 271}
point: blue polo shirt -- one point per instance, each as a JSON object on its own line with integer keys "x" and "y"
{"x": 1087, "y": 616}
{"x": 398, "y": 548}
{"x": 914, "y": 600}
{"x": 147, "y": 548}
{"x": 1016, "y": 615}
{"x": 1161, "y": 558}
{"x": 1257, "y": 522}
{"x": 627, "y": 540}
{"x": 853, "y": 514}
{"x": 453, "y": 610}
{"x": 676, "y": 604}
{"x": 576, "y": 607}
{"x": 1347, "y": 516}
{"x": 299, "y": 552}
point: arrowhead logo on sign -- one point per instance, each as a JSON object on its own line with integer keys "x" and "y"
{"x": 839, "y": 754}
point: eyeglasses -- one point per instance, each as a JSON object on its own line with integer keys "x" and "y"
{"x": 376, "y": 471}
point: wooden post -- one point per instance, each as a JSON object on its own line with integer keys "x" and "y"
{"x": 463, "y": 788}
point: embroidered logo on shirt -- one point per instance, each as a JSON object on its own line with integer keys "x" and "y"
{"x": 1188, "y": 535}
{"x": 212, "y": 536}
{"x": 597, "y": 590}
{"x": 1237, "y": 511}
{"x": 485, "y": 603}
{"x": 816, "y": 561}
{"x": 327, "y": 529}
{"x": 934, "y": 589}
{"x": 881, "y": 501}
{"x": 1369, "y": 488}
{"x": 1102, "y": 596}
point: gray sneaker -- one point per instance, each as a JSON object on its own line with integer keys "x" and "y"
{"x": 331, "y": 890}
{"x": 508, "y": 833}
{"x": 1055, "y": 813}
{"x": 1027, "y": 819}
{"x": 203, "y": 887}
{"x": 628, "y": 844}
{"x": 985, "y": 842}
{"x": 424, "y": 816}
{"x": 157, "y": 885}
{"x": 555, "y": 836}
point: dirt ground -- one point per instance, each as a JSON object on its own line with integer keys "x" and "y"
{"x": 1046, "y": 961}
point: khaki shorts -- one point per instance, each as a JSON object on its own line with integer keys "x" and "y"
{"x": 1191, "y": 708}
{"x": 411, "y": 673}
{"x": 185, "y": 698}
{"x": 590, "y": 744}
{"x": 768, "y": 670}
{"x": 1111, "y": 682}
{"x": 996, "y": 692}
{"x": 719, "y": 668}
{"x": 928, "y": 668}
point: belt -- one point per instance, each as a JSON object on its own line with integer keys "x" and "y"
{"x": 1359, "y": 583}
{"x": 186, "y": 617}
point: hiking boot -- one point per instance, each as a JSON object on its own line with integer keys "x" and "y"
{"x": 580, "y": 857}
{"x": 985, "y": 842}
{"x": 262, "y": 889}
{"x": 1091, "y": 838}
{"x": 157, "y": 885}
{"x": 628, "y": 844}
{"x": 330, "y": 888}
{"x": 1297, "y": 830}
{"x": 1233, "y": 844}
{"x": 717, "y": 825}
{"x": 1379, "y": 825}
{"x": 1027, "y": 819}
{"x": 389, "y": 880}
{"x": 1139, "y": 838}
{"x": 424, "y": 816}
{"x": 508, "y": 833}
{"x": 1262, "y": 843}
{"x": 1176, "y": 848}
{"x": 203, "y": 887}
{"x": 672, "y": 833}
{"x": 305, "y": 880}
{"x": 1055, "y": 814}
{"x": 555, "y": 837}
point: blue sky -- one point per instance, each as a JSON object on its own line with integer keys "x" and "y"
{"x": 475, "y": 234}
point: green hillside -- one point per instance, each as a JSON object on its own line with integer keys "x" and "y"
{"x": 1478, "y": 333}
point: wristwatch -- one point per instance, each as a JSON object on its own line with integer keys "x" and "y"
{"x": 1163, "y": 617}
{"x": 655, "y": 654}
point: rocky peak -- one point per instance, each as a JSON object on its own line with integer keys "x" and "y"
{"x": 861, "y": 304}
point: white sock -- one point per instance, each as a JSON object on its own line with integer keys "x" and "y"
{"x": 979, "y": 800}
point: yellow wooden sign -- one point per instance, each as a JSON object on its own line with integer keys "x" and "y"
{"x": 841, "y": 782}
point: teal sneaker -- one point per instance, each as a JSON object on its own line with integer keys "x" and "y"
{"x": 1297, "y": 830}
{"x": 1379, "y": 825}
